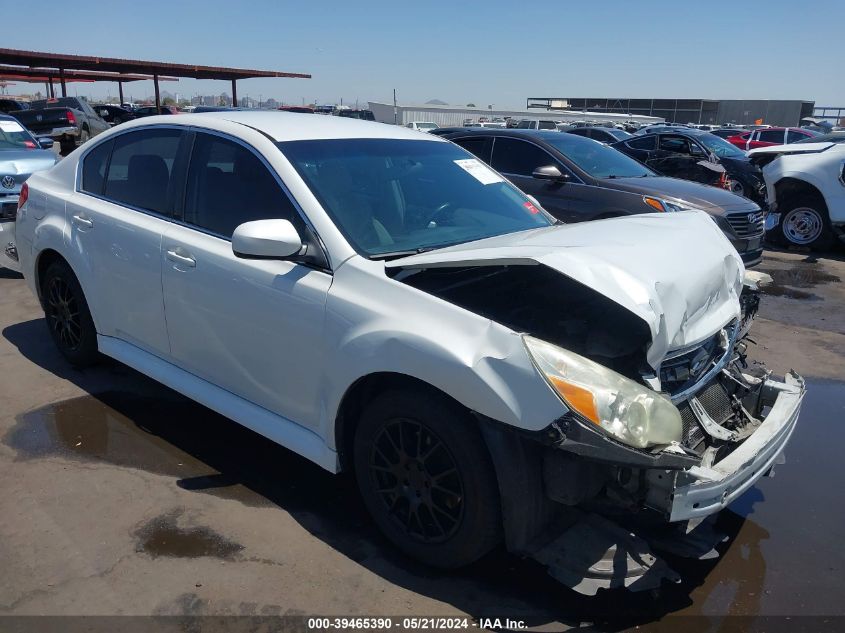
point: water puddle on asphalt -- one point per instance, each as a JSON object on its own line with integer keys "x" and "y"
{"x": 794, "y": 281}
{"x": 167, "y": 436}
{"x": 784, "y": 554}
{"x": 162, "y": 536}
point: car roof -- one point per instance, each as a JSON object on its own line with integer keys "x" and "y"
{"x": 293, "y": 126}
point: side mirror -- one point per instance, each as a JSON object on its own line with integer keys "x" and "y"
{"x": 550, "y": 172}
{"x": 45, "y": 142}
{"x": 272, "y": 239}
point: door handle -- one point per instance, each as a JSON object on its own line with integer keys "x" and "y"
{"x": 173, "y": 256}
{"x": 81, "y": 222}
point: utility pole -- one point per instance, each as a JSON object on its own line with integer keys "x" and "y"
{"x": 395, "y": 111}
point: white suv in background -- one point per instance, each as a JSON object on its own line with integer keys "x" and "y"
{"x": 382, "y": 302}
{"x": 805, "y": 183}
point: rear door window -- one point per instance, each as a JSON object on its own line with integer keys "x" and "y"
{"x": 94, "y": 167}
{"x": 794, "y": 135}
{"x": 643, "y": 142}
{"x": 518, "y": 157}
{"x": 229, "y": 185}
{"x": 771, "y": 136}
{"x": 139, "y": 174}
{"x": 477, "y": 145}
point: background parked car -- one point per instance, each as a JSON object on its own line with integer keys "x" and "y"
{"x": 537, "y": 124}
{"x": 770, "y": 136}
{"x": 152, "y": 111}
{"x": 577, "y": 179}
{"x": 13, "y": 105}
{"x": 727, "y": 132}
{"x": 364, "y": 115}
{"x": 606, "y": 135}
{"x": 114, "y": 115}
{"x": 682, "y": 152}
{"x": 806, "y": 185}
{"x": 21, "y": 154}
{"x": 67, "y": 120}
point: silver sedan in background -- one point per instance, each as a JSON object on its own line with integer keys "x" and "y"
{"x": 21, "y": 155}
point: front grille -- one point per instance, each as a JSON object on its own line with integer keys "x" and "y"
{"x": 716, "y": 402}
{"x": 747, "y": 223}
{"x": 691, "y": 431}
{"x": 681, "y": 371}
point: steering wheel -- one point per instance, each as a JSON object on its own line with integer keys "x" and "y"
{"x": 443, "y": 207}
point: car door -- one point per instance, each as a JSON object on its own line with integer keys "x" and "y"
{"x": 517, "y": 159}
{"x": 95, "y": 121}
{"x": 251, "y": 326}
{"x": 127, "y": 192}
{"x": 677, "y": 156}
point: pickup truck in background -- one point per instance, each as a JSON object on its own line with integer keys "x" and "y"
{"x": 69, "y": 121}
{"x": 806, "y": 186}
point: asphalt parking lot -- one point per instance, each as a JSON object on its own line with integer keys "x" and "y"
{"x": 121, "y": 497}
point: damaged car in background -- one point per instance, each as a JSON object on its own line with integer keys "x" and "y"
{"x": 578, "y": 392}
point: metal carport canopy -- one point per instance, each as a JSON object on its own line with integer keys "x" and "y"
{"x": 62, "y": 62}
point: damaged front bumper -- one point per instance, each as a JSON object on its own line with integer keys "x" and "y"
{"x": 704, "y": 490}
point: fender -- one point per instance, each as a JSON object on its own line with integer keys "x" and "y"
{"x": 479, "y": 363}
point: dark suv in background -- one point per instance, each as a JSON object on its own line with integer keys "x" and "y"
{"x": 577, "y": 179}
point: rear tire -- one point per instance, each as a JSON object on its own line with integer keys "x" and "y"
{"x": 68, "y": 317}
{"x": 426, "y": 477}
{"x": 805, "y": 222}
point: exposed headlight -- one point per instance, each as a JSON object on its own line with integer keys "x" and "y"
{"x": 667, "y": 206}
{"x": 630, "y": 412}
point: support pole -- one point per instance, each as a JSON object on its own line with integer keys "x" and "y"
{"x": 52, "y": 88}
{"x": 120, "y": 91}
{"x": 62, "y": 77}
{"x": 158, "y": 96}
{"x": 234, "y": 93}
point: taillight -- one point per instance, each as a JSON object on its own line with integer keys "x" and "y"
{"x": 23, "y": 196}
{"x": 71, "y": 118}
{"x": 723, "y": 181}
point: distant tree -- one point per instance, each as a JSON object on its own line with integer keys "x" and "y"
{"x": 471, "y": 105}
{"x": 169, "y": 101}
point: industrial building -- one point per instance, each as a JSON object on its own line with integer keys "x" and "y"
{"x": 707, "y": 111}
{"x": 453, "y": 115}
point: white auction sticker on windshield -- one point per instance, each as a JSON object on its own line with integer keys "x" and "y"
{"x": 10, "y": 126}
{"x": 478, "y": 170}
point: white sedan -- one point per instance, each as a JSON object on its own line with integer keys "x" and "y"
{"x": 381, "y": 301}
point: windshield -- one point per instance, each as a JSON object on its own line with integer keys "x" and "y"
{"x": 719, "y": 146}
{"x": 395, "y": 196}
{"x": 427, "y": 126}
{"x": 14, "y": 136}
{"x": 598, "y": 160}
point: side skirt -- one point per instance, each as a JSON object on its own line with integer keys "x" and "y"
{"x": 274, "y": 427}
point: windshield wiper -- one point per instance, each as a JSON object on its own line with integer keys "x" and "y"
{"x": 396, "y": 254}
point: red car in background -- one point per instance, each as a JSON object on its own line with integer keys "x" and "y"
{"x": 765, "y": 137}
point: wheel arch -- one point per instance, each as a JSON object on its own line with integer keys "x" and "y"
{"x": 788, "y": 187}
{"x": 363, "y": 391}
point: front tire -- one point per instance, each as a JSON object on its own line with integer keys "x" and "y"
{"x": 805, "y": 222}
{"x": 426, "y": 478}
{"x": 68, "y": 317}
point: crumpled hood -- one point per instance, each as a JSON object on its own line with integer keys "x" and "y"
{"x": 676, "y": 271}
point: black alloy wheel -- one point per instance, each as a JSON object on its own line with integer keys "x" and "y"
{"x": 68, "y": 317}
{"x": 417, "y": 479}
{"x": 426, "y": 477}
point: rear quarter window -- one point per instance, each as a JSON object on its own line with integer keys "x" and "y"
{"x": 94, "y": 167}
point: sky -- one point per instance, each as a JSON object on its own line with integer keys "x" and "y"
{"x": 487, "y": 53}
